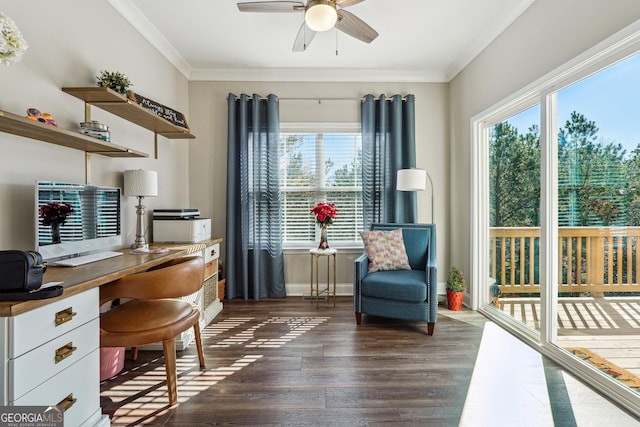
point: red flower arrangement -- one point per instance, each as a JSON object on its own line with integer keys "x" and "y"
{"x": 325, "y": 213}
{"x": 55, "y": 213}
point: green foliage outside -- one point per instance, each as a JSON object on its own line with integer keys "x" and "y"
{"x": 298, "y": 174}
{"x": 597, "y": 183}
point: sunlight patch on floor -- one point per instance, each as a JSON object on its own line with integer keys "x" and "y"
{"x": 508, "y": 385}
{"x": 297, "y": 327}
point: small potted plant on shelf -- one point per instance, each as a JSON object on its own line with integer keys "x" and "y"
{"x": 455, "y": 289}
{"x": 114, "y": 80}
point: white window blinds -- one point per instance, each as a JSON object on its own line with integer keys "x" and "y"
{"x": 321, "y": 165}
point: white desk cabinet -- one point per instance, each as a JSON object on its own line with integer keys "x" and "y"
{"x": 51, "y": 358}
{"x": 206, "y": 298}
{"x": 50, "y": 348}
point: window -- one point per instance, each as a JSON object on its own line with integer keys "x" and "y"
{"x": 321, "y": 163}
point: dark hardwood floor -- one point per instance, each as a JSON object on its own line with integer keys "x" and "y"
{"x": 284, "y": 362}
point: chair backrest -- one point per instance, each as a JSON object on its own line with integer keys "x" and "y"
{"x": 419, "y": 242}
{"x": 173, "y": 279}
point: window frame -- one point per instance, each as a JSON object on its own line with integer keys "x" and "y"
{"x": 324, "y": 128}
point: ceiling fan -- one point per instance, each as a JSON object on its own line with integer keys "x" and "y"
{"x": 319, "y": 15}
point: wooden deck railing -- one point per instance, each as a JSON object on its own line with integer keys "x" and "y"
{"x": 591, "y": 259}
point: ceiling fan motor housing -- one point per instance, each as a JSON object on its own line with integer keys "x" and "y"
{"x": 321, "y": 15}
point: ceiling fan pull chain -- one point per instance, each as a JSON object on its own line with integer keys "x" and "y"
{"x": 335, "y": 30}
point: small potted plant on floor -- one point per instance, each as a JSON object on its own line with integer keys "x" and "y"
{"x": 455, "y": 289}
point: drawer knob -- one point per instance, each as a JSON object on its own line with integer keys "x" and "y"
{"x": 67, "y": 402}
{"x": 64, "y": 316}
{"x": 65, "y": 351}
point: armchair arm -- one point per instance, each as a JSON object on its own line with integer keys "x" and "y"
{"x": 432, "y": 290}
{"x": 361, "y": 265}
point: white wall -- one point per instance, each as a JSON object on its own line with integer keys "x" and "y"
{"x": 208, "y": 155}
{"x": 70, "y": 42}
{"x": 548, "y": 34}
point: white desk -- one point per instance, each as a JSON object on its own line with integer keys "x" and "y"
{"x": 47, "y": 345}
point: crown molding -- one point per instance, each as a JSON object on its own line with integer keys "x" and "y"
{"x": 138, "y": 21}
{"x": 318, "y": 75}
{"x": 485, "y": 39}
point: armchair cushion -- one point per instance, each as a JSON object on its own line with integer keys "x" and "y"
{"x": 400, "y": 285}
{"x": 385, "y": 250}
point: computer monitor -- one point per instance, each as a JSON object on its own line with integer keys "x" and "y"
{"x": 90, "y": 216}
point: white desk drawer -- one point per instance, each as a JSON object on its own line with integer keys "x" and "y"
{"x": 35, "y": 327}
{"x": 80, "y": 380}
{"x": 212, "y": 252}
{"x": 35, "y": 367}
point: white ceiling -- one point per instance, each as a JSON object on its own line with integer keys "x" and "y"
{"x": 419, "y": 41}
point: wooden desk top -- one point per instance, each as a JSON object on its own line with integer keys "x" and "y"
{"x": 79, "y": 279}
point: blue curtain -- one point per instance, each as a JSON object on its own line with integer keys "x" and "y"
{"x": 255, "y": 260}
{"x": 388, "y": 144}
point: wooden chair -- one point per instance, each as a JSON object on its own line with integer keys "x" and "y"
{"x": 151, "y": 315}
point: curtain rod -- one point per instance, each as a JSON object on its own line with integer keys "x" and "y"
{"x": 319, "y": 100}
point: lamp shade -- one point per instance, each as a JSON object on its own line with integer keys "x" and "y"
{"x": 321, "y": 15}
{"x": 140, "y": 182}
{"x": 411, "y": 180}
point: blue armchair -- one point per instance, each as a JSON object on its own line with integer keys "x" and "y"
{"x": 401, "y": 294}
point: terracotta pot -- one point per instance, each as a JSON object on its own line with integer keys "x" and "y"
{"x": 454, "y": 300}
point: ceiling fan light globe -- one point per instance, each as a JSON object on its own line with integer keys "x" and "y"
{"x": 321, "y": 15}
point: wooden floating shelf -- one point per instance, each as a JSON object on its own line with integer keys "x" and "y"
{"x": 121, "y": 106}
{"x": 21, "y": 126}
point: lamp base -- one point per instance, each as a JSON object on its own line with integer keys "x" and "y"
{"x": 140, "y": 242}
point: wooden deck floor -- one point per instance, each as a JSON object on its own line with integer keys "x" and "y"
{"x": 608, "y": 326}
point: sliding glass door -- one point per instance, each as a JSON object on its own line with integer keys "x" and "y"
{"x": 514, "y": 217}
{"x": 557, "y": 217}
{"x": 598, "y": 189}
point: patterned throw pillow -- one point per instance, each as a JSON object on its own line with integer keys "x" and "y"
{"x": 385, "y": 250}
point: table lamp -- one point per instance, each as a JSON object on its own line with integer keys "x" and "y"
{"x": 140, "y": 183}
{"x": 414, "y": 180}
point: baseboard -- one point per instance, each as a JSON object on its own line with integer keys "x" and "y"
{"x": 344, "y": 289}
{"x": 302, "y": 289}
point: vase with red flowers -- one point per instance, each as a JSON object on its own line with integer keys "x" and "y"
{"x": 55, "y": 214}
{"x": 325, "y": 214}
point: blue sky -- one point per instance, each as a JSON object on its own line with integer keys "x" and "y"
{"x": 610, "y": 98}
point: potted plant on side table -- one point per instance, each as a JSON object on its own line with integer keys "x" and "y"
{"x": 455, "y": 289}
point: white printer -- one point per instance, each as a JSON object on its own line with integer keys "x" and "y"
{"x": 180, "y": 226}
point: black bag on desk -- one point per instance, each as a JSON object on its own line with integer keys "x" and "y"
{"x": 21, "y": 274}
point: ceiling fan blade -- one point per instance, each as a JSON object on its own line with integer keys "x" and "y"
{"x": 347, "y": 3}
{"x": 271, "y": 6}
{"x": 350, "y": 24}
{"x": 304, "y": 38}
